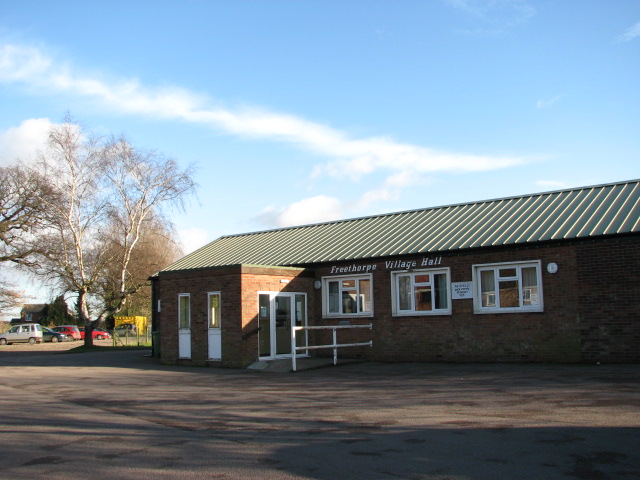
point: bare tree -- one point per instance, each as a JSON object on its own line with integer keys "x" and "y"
{"x": 156, "y": 249}
{"x": 21, "y": 215}
{"x": 22, "y": 212}
{"x": 10, "y": 296}
{"x": 107, "y": 191}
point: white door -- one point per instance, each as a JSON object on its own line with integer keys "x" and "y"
{"x": 279, "y": 312}
{"x": 184, "y": 326}
{"x": 215, "y": 328}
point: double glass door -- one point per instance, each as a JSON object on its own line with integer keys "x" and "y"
{"x": 279, "y": 313}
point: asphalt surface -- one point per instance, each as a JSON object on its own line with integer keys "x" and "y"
{"x": 123, "y": 415}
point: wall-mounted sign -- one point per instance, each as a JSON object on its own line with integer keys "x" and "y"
{"x": 354, "y": 268}
{"x": 409, "y": 264}
{"x": 389, "y": 265}
{"x": 461, "y": 290}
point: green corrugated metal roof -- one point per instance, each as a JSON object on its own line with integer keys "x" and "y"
{"x": 566, "y": 214}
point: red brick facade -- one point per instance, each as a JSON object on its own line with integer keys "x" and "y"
{"x": 591, "y": 309}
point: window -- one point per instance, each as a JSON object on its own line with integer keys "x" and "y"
{"x": 347, "y": 296}
{"x": 508, "y": 287}
{"x": 214, "y": 310}
{"x": 184, "y": 312}
{"x": 424, "y": 292}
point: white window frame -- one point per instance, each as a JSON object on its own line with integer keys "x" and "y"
{"x": 522, "y": 293}
{"x": 395, "y": 292}
{"x": 341, "y": 278}
{"x": 180, "y": 296}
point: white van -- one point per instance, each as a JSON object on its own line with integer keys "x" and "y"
{"x": 23, "y": 332}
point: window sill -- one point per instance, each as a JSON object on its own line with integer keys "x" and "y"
{"x": 439, "y": 313}
{"x": 507, "y": 310}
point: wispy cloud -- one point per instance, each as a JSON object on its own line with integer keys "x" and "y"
{"x": 494, "y": 17}
{"x": 31, "y": 68}
{"x": 546, "y": 103}
{"x": 631, "y": 34}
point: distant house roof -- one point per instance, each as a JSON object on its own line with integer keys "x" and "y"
{"x": 33, "y": 308}
{"x": 602, "y": 210}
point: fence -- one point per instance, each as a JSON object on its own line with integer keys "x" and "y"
{"x": 127, "y": 338}
{"x": 335, "y": 345}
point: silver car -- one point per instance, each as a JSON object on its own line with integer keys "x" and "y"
{"x": 24, "y": 332}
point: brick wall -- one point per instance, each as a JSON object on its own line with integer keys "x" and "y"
{"x": 197, "y": 284}
{"x": 238, "y": 287}
{"x": 591, "y": 310}
{"x": 609, "y": 300}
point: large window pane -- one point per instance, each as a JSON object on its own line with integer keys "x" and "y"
{"x": 509, "y": 294}
{"x": 334, "y": 297}
{"x": 441, "y": 297}
{"x": 404, "y": 292}
{"x": 364, "y": 286}
{"x": 349, "y": 301}
{"x": 423, "y": 298}
{"x": 214, "y": 310}
{"x": 488, "y": 288}
{"x": 184, "y": 313}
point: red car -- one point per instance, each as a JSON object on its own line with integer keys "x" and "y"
{"x": 98, "y": 334}
{"x": 71, "y": 331}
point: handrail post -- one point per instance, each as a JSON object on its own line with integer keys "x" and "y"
{"x": 293, "y": 348}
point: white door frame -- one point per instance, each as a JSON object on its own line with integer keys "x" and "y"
{"x": 184, "y": 326}
{"x": 296, "y": 317}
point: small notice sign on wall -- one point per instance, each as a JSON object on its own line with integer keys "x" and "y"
{"x": 461, "y": 290}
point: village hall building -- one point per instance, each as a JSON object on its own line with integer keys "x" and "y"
{"x": 549, "y": 277}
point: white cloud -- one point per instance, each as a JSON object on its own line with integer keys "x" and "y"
{"x": 631, "y": 34}
{"x": 193, "y": 238}
{"x": 349, "y": 156}
{"x": 390, "y": 190}
{"x": 20, "y": 63}
{"x": 309, "y": 210}
{"x": 540, "y": 104}
{"x": 22, "y": 142}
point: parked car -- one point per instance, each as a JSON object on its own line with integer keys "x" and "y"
{"x": 125, "y": 329}
{"x": 98, "y": 333}
{"x": 49, "y": 335}
{"x": 23, "y": 332}
{"x": 70, "y": 331}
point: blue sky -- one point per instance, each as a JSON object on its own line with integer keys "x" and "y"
{"x": 297, "y": 112}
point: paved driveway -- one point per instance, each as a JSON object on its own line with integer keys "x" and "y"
{"x": 122, "y": 415}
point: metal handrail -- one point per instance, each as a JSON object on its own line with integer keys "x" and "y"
{"x": 335, "y": 345}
